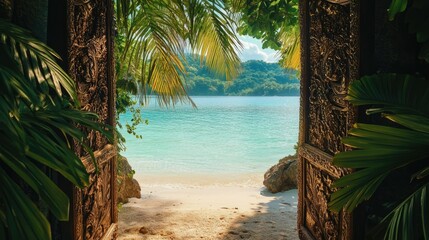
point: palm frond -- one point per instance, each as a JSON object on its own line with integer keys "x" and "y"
{"x": 22, "y": 219}
{"x": 291, "y": 48}
{"x": 34, "y": 59}
{"x": 235, "y": 5}
{"x": 153, "y": 50}
{"x": 215, "y": 39}
{"x": 38, "y": 128}
{"x": 381, "y": 150}
{"x": 393, "y": 93}
{"x": 396, "y": 6}
{"x": 159, "y": 33}
{"x": 410, "y": 219}
{"x": 414, "y": 122}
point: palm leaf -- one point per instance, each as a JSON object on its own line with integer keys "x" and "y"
{"x": 395, "y": 93}
{"x": 414, "y": 122}
{"x": 215, "y": 39}
{"x": 396, "y": 6}
{"x": 34, "y": 59}
{"x": 381, "y": 150}
{"x": 38, "y": 129}
{"x": 291, "y": 48}
{"x": 153, "y": 49}
{"x": 158, "y": 33}
{"x": 411, "y": 212}
{"x": 23, "y": 219}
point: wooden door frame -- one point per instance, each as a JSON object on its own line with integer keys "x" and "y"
{"x": 62, "y": 16}
{"x": 106, "y": 155}
{"x": 308, "y": 153}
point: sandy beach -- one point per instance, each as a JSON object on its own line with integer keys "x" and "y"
{"x": 218, "y": 207}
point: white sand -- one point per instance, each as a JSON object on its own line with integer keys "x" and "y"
{"x": 220, "y": 207}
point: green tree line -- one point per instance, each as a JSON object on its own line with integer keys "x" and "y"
{"x": 257, "y": 78}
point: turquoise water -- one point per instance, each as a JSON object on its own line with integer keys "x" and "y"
{"x": 224, "y": 135}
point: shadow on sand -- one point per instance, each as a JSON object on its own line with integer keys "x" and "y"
{"x": 275, "y": 219}
{"x": 136, "y": 212}
{"x": 272, "y": 216}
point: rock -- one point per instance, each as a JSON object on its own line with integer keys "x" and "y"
{"x": 128, "y": 187}
{"x": 282, "y": 176}
{"x": 144, "y": 230}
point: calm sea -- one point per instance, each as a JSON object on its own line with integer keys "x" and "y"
{"x": 224, "y": 135}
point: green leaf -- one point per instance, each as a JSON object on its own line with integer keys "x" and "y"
{"x": 402, "y": 220}
{"x": 23, "y": 219}
{"x": 382, "y": 151}
{"x": 358, "y": 187}
{"x": 396, "y": 6}
{"x": 38, "y": 132}
{"x": 157, "y": 34}
{"x": 56, "y": 200}
{"x": 36, "y": 60}
{"x": 274, "y": 3}
{"x": 414, "y": 122}
{"x": 392, "y": 92}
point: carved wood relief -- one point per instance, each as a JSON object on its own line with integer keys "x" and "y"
{"x": 94, "y": 207}
{"x": 329, "y": 59}
{"x": 329, "y": 35}
{"x": 90, "y": 61}
{"x": 322, "y": 223}
{"x": 97, "y": 204}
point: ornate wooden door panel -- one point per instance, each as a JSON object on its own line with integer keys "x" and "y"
{"x": 329, "y": 35}
{"x": 90, "y": 59}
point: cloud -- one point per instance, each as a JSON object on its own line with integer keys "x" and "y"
{"x": 251, "y": 51}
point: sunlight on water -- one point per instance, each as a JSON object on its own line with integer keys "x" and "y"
{"x": 224, "y": 135}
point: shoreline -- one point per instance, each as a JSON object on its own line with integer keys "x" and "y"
{"x": 208, "y": 206}
{"x": 200, "y": 179}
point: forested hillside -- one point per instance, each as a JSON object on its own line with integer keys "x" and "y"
{"x": 257, "y": 78}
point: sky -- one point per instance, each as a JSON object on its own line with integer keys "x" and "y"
{"x": 252, "y": 50}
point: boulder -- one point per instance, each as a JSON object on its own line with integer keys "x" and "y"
{"x": 128, "y": 187}
{"x": 282, "y": 176}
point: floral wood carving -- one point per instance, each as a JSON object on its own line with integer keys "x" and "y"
{"x": 97, "y": 204}
{"x": 329, "y": 75}
{"x": 322, "y": 223}
{"x": 88, "y": 60}
{"x": 330, "y": 61}
{"x": 90, "y": 64}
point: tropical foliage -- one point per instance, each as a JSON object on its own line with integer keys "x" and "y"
{"x": 396, "y": 153}
{"x": 383, "y": 150}
{"x": 257, "y": 78}
{"x": 274, "y": 22}
{"x": 157, "y": 34}
{"x": 38, "y": 114}
{"x": 154, "y": 37}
